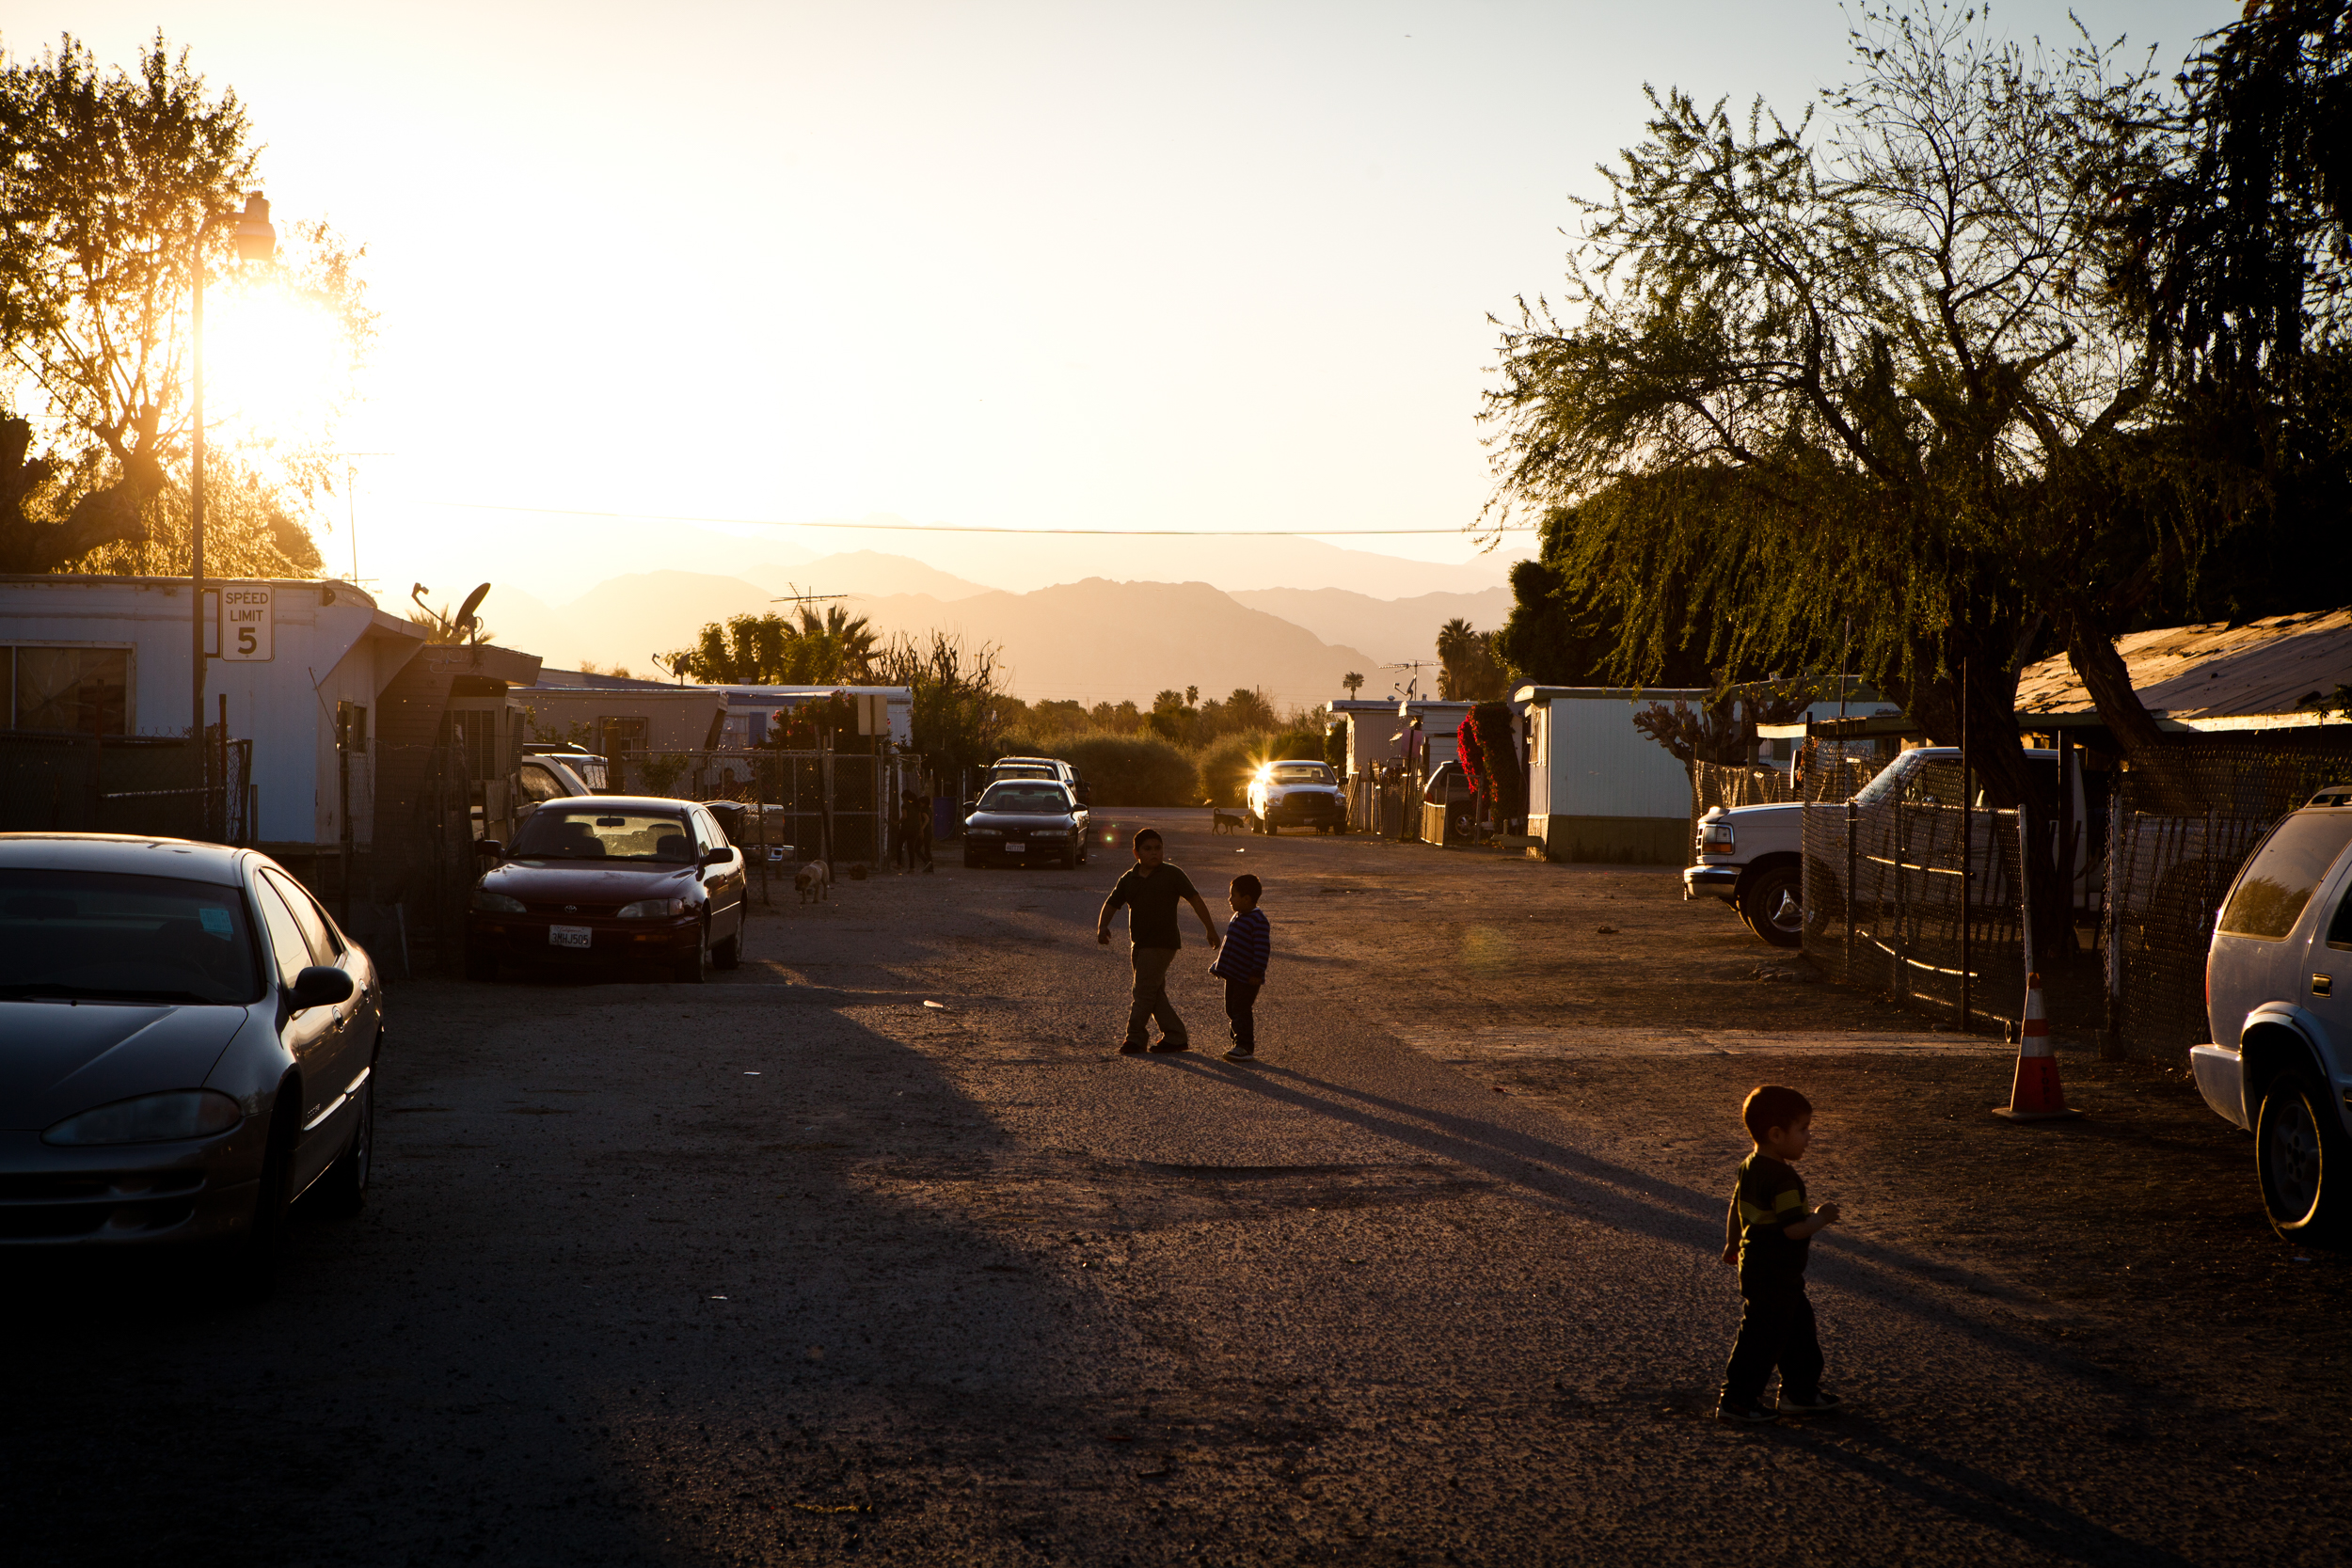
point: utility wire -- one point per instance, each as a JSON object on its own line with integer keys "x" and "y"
{"x": 951, "y": 527}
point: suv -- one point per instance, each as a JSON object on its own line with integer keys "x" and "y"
{"x": 1752, "y": 857}
{"x": 1296, "y": 793}
{"x": 2281, "y": 1061}
{"x": 1059, "y": 771}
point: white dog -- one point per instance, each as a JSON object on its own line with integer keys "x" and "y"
{"x": 813, "y": 882}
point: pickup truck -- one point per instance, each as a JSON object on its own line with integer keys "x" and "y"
{"x": 1752, "y": 857}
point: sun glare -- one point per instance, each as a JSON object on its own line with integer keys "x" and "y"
{"x": 275, "y": 365}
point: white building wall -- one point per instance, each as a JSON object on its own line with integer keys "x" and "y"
{"x": 328, "y": 643}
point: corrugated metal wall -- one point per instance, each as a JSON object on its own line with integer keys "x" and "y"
{"x": 1601, "y": 766}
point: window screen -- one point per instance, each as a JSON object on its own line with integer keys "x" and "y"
{"x": 78, "y": 691}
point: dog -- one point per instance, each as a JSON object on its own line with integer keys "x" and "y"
{"x": 813, "y": 882}
{"x": 1227, "y": 822}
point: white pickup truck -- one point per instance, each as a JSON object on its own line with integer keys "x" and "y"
{"x": 1752, "y": 857}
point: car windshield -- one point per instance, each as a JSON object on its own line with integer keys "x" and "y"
{"x": 1301, "y": 772}
{"x": 1890, "y": 778}
{"x": 586, "y": 835}
{"x": 2284, "y": 873}
{"x": 102, "y": 937}
{"x": 1030, "y": 800}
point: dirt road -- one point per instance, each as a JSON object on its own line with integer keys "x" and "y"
{"x": 797, "y": 1265}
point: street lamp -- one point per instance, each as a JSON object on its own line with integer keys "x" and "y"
{"x": 256, "y": 242}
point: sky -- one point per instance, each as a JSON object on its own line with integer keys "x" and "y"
{"x": 981, "y": 265}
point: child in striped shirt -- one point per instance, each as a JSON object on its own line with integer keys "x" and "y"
{"x": 1241, "y": 961}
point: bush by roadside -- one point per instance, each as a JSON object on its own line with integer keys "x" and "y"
{"x": 1121, "y": 769}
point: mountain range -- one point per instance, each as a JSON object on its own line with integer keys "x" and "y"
{"x": 1092, "y": 640}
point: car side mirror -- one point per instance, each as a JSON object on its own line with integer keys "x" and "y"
{"x": 716, "y": 855}
{"x": 489, "y": 848}
{"x": 319, "y": 986}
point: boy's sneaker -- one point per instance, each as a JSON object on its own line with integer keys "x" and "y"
{"x": 1238, "y": 1054}
{"x": 1733, "y": 1410}
{"x": 1133, "y": 1048}
{"x": 1168, "y": 1048}
{"x": 1816, "y": 1404}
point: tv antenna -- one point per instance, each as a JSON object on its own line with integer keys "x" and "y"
{"x": 796, "y": 596}
{"x": 351, "y": 502}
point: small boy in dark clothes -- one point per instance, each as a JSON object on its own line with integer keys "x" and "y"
{"x": 1768, "y": 1233}
{"x": 1241, "y": 961}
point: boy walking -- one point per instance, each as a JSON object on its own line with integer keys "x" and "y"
{"x": 1150, "y": 890}
{"x": 1241, "y": 961}
{"x": 1768, "y": 1233}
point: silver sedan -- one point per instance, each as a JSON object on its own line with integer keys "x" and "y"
{"x": 187, "y": 1044}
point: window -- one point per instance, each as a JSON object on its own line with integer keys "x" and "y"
{"x": 287, "y": 944}
{"x": 319, "y": 931}
{"x": 618, "y": 737}
{"x": 540, "y": 784}
{"x": 68, "y": 690}
{"x": 2340, "y": 929}
{"x": 2284, "y": 873}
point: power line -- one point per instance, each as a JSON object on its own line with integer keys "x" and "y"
{"x": 951, "y": 527}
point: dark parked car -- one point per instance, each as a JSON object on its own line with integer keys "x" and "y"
{"x": 602, "y": 879}
{"x": 187, "y": 1044}
{"x": 1025, "y": 821}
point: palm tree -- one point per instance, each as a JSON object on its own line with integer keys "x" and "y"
{"x": 1354, "y": 681}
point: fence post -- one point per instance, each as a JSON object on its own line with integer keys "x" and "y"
{"x": 2025, "y": 900}
{"x": 2110, "y": 913}
{"x": 1898, "y": 950}
{"x": 1854, "y": 890}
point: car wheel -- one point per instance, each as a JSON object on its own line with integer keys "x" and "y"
{"x": 1271, "y": 831}
{"x": 1084, "y": 850}
{"x": 971, "y": 862}
{"x": 479, "y": 965}
{"x": 1773, "y": 904}
{"x": 344, "y": 1190}
{"x": 2298, "y": 1142}
{"x": 728, "y": 954}
{"x": 247, "y": 1268}
{"x": 695, "y": 969}
{"x": 1828, "y": 912}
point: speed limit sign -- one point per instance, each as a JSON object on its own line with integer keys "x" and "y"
{"x": 244, "y": 622}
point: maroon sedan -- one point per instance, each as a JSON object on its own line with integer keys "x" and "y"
{"x": 596, "y": 880}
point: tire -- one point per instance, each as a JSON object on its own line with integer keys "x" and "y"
{"x": 343, "y": 1191}
{"x": 1828, "y": 912}
{"x": 694, "y": 970}
{"x": 481, "y": 965}
{"x": 971, "y": 862}
{"x": 1084, "y": 850}
{"x": 2300, "y": 1155}
{"x": 729, "y": 954}
{"x": 1773, "y": 904}
{"x": 1271, "y": 831}
{"x": 245, "y": 1270}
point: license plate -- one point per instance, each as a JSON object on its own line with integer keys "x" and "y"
{"x": 1016, "y": 849}
{"x": 567, "y": 936}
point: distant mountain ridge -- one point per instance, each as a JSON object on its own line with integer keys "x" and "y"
{"x": 1096, "y": 639}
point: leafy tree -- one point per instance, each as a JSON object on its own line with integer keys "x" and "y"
{"x": 1470, "y": 666}
{"x": 955, "y": 692}
{"x": 1873, "y": 374}
{"x": 103, "y": 197}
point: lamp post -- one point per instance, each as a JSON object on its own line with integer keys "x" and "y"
{"x": 256, "y": 242}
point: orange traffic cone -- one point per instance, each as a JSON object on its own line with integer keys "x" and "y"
{"x": 2036, "y": 1095}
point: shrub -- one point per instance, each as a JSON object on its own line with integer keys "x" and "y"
{"x": 1129, "y": 770}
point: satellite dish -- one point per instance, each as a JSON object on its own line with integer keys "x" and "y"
{"x": 465, "y": 620}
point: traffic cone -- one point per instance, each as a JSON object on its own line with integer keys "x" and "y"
{"x": 2036, "y": 1095}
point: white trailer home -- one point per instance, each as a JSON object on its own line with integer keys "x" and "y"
{"x": 1598, "y": 789}
{"x": 302, "y": 663}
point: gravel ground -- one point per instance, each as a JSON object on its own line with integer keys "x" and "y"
{"x": 797, "y": 1265}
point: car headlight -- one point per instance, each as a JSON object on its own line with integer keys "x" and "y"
{"x": 986, "y": 832}
{"x": 153, "y": 1118}
{"x": 652, "y": 909}
{"x": 496, "y": 903}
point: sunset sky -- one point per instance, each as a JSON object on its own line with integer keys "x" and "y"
{"x": 1073, "y": 265}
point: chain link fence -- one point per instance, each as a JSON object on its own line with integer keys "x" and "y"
{"x": 148, "y": 785}
{"x": 2182, "y": 826}
{"x": 1917, "y": 896}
